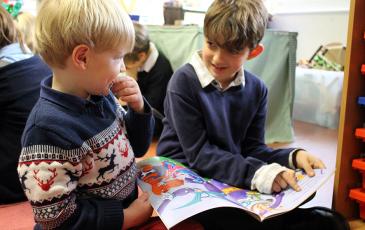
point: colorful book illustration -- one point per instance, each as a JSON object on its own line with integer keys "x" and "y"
{"x": 177, "y": 193}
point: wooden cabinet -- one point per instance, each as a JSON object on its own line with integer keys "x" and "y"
{"x": 352, "y": 115}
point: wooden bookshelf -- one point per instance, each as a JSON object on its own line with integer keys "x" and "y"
{"x": 352, "y": 115}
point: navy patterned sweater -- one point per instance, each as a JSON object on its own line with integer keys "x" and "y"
{"x": 77, "y": 164}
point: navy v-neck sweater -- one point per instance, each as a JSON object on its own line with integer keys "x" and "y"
{"x": 220, "y": 134}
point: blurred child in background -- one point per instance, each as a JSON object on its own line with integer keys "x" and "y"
{"x": 20, "y": 75}
{"x": 25, "y": 22}
{"x": 151, "y": 69}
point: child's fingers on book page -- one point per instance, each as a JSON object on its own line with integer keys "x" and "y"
{"x": 276, "y": 187}
{"x": 282, "y": 183}
{"x": 318, "y": 164}
{"x": 289, "y": 177}
{"x": 308, "y": 169}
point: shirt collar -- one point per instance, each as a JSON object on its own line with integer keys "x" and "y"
{"x": 13, "y": 53}
{"x": 206, "y": 78}
{"x": 67, "y": 101}
{"x": 152, "y": 58}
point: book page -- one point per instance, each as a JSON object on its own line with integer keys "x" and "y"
{"x": 261, "y": 205}
{"x": 266, "y": 206}
{"x": 309, "y": 186}
{"x": 177, "y": 193}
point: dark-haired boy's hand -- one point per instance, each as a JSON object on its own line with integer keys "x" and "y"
{"x": 285, "y": 179}
{"x": 126, "y": 89}
{"x": 308, "y": 162}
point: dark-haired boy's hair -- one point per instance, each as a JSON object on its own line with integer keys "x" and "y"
{"x": 235, "y": 24}
{"x": 142, "y": 43}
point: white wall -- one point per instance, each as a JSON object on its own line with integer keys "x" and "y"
{"x": 29, "y": 6}
{"x": 316, "y": 21}
{"x": 314, "y": 29}
{"x": 150, "y": 11}
{"x": 301, "y": 6}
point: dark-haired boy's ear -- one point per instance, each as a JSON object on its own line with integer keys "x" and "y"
{"x": 256, "y": 51}
{"x": 80, "y": 56}
{"x": 142, "y": 56}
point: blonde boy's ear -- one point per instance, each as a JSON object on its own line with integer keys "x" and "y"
{"x": 256, "y": 51}
{"x": 80, "y": 56}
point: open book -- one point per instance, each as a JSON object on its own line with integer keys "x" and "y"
{"x": 177, "y": 193}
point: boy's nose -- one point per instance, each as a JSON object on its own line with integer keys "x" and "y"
{"x": 218, "y": 57}
{"x": 122, "y": 67}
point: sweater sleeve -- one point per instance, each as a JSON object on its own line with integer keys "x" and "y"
{"x": 49, "y": 178}
{"x": 140, "y": 129}
{"x": 253, "y": 144}
{"x": 202, "y": 155}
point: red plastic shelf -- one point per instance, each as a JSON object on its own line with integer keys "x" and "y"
{"x": 358, "y": 194}
{"x": 359, "y": 164}
{"x": 360, "y": 133}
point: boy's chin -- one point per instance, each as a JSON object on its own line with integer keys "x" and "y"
{"x": 105, "y": 92}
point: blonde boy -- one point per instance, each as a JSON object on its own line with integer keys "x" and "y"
{"x": 215, "y": 115}
{"x": 77, "y": 165}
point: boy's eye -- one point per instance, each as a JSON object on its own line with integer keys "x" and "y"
{"x": 211, "y": 44}
{"x": 235, "y": 52}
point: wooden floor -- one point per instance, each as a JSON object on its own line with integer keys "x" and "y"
{"x": 317, "y": 140}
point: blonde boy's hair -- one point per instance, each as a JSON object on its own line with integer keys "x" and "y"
{"x": 61, "y": 25}
{"x": 25, "y": 22}
{"x": 235, "y": 24}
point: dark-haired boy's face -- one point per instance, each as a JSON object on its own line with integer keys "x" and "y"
{"x": 136, "y": 64}
{"x": 221, "y": 63}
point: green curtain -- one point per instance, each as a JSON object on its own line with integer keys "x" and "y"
{"x": 276, "y": 66}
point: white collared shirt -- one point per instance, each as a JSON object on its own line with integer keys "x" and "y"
{"x": 13, "y": 53}
{"x": 151, "y": 60}
{"x": 206, "y": 78}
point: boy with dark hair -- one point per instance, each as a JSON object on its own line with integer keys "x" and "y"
{"x": 215, "y": 115}
{"x": 152, "y": 71}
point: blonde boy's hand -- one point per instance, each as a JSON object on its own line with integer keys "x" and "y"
{"x": 285, "y": 179}
{"x": 308, "y": 162}
{"x": 138, "y": 212}
{"x": 126, "y": 89}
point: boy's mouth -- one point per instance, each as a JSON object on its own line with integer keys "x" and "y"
{"x": 219, "y": 68}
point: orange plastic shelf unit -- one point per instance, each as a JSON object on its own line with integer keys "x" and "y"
{"x": 358, "y": 194}
{"x": 360, "y": 133}
{"x": 359, "y": 164}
